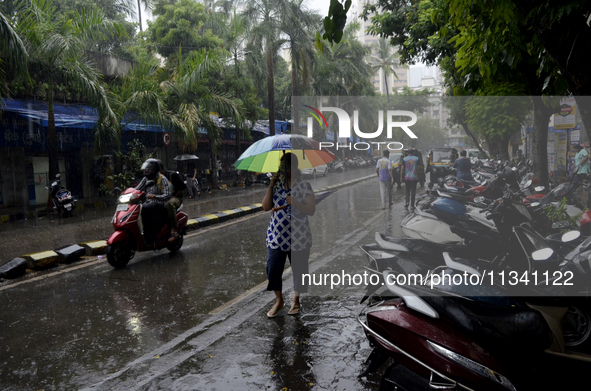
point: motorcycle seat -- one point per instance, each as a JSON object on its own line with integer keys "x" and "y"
{"x": 501, "y": 328}
{"x": 469, "y": 183}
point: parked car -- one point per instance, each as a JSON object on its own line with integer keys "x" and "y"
{"x": 315, "y": 171}
{"x": 474, "y": 154}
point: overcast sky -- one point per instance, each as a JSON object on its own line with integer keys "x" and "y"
{"x": 320, "y": 5}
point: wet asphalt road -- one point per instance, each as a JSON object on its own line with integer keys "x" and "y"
{"x": 51, "y": 232}
{"x": 165, "y": 322}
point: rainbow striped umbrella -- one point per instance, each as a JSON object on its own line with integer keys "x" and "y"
{"x": 264, "y": 155}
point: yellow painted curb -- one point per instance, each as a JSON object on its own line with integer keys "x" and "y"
{"x": 210, "y": 216}
{"x": 96, "y": 247}
{"x": 41, "y": 259}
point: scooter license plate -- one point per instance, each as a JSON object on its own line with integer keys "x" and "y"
{"x": 68, "y": 206}
{"x": 122, "y": 207}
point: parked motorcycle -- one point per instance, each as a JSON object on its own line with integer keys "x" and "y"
{"x": 264, "y": 178}
{"x": 132, "y": 234}
{"x": 450, "y": 337}
{"x": 63, "y": 202}
{"x": 339, "y": 166}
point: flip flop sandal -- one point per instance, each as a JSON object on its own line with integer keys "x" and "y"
{"x": 294, "y": 310}
{"x": 274, "y": 311}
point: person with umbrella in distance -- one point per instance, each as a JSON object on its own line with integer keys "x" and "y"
{"x": 291, "y": 200}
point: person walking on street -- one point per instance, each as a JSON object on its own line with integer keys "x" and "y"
{"x": 582, "y": 163}
{"x": 192, "y": 185}
{"x": 408, "y": 173}
{"x": 464, "y": 167}
{"x": 384, "y": 172}
{"x": 291, "y": 200}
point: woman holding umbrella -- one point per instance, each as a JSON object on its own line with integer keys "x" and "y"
{"x": 292, "y": 200}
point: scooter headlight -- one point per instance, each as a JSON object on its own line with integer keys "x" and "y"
{"x": 473, "y": 366}
{"x": 125, "y": 199}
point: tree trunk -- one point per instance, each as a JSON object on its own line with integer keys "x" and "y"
{"x": 51, "y": 135}
{"x": 474, "y": 139}
{"x": 493, "y": 146}
{"x": 214, "y": 167}
{"x": 238, "y": 178}
{"x": 540, "y": 140}
{"x": 295, "y": 104}
{"x": 387, "y": 90}
{"x": 584, "y": 107}
{"x": 270, "y": 90}
{"x": 504, "y": 147}
{"x": 139, "y": 14}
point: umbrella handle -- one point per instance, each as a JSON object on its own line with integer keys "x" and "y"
{"x": 279, "y": 208}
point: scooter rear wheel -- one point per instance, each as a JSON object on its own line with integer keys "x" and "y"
{"x": 119, "y": 255}
{"x": 176, "y": 245}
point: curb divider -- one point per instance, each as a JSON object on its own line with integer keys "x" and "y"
{"x": 45, "y": 259}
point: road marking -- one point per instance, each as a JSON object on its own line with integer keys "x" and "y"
{"x": 53, "y": 274}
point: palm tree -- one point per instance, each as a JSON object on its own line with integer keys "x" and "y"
{"x": 56, "y": 47}
{"x": 191, "y": 99}
{"x": 342, "y": 69}
{"x": 298, "y": 22}
{"x": 384, "y": 58}
{"x": 234, "y": 36}
{"x": 148, "y": 4}
{"x": 12, "y": 53}
{"x": 265, "y": 17}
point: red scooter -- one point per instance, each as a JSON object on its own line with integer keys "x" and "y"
{"x": 128, "y": 237}
{"x": 452, "y": 342}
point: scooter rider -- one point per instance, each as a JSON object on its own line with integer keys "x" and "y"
{"x": 158, "y": 193}
{"x": 175, "y": 201}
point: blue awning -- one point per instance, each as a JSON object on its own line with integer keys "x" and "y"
{"x": 68, "y": 115}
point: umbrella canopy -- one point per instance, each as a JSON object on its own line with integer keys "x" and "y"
{"x": 186, "y": 157}
{"x": 264, "y": 155}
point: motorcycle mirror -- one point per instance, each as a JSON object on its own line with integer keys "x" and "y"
{"x": 479, "y": 199}
{"x": 543, "y": 254}
{"x": 570, "y": 236}
{"x": 534, "y": 204}
{"x": 499, "y": 162}
{"x": 514, "y": 169}
{"x": 527, "y": 184}
{"x": 539, "y": 188}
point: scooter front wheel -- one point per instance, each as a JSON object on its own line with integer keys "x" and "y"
{"x": 176, "y": 245}
{"x": 119, "y": 255}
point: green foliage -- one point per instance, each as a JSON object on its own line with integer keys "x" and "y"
{"x": 334, "y": 23}
{"x": 497, "y": 117}
{"x": 132, "y": 163}
{"x": 343, "y": 69}
{"x": 557, "y": 213}
{"x": 178, "y": 25}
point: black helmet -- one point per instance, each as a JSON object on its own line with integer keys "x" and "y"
{"x": 160, "y": 165}
{"x": 151, "y": 167}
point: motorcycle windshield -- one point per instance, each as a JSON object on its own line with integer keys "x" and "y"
{"x": 557, "y": 194}
{"x": 525, "y": 179}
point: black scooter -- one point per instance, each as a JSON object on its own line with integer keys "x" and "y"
{"x": 63, "y": 202}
